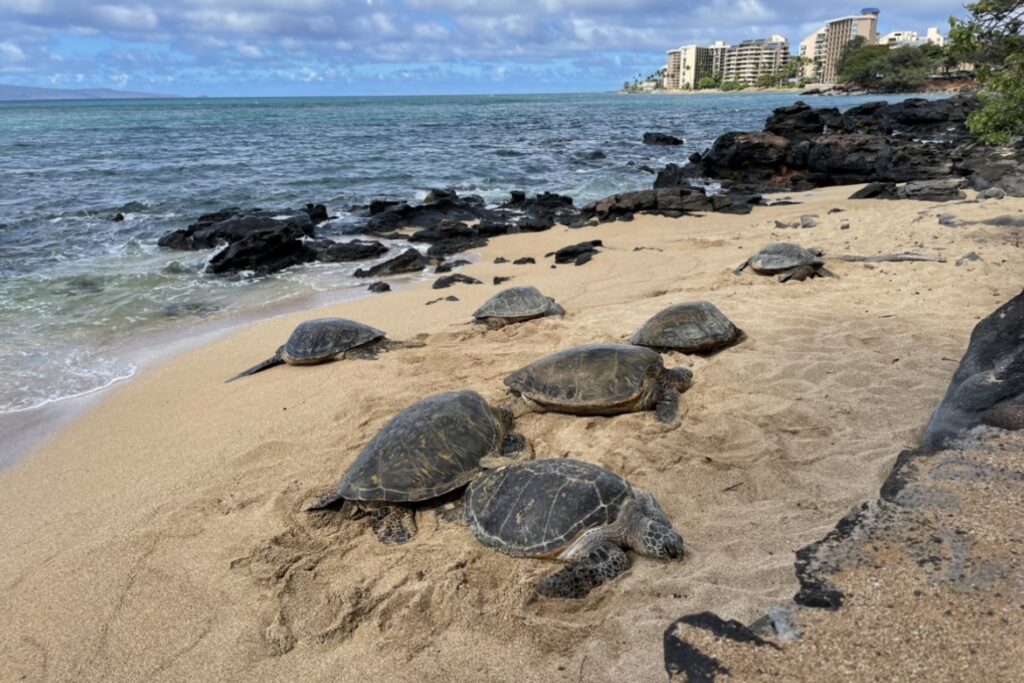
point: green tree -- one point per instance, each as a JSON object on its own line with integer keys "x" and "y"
{"x": 706, "y": 83}
{"x": 879, "y": 67}
{"x": 993, "y": 39}
{"x": 729, "y": 86}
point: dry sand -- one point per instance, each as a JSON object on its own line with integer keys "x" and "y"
{"x": 160, "y": 537}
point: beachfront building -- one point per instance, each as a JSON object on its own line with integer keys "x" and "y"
{"x": 747, "y": 62}
{"x": 687, "y": 66}
{"x": 812, "y": 52}
{"x": 826, "y": 46}
{"x": 912, "y": 39}
{"x": 839, "y": 34}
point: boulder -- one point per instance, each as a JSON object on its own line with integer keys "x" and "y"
{"x": 409, "y": 261}
{"x": 990, "y": 374}
{"x": 454, "y": 279}
{"x": 661, "y": 139}
{"x": 449, "y": 266}
{"x": 232, "y": 225}
{"x": 577, "y": 253}
{"x": 263, "y": 252}
{"x": 944, "y": 190}
{"x": 801, "y": 121}
{"x": 876, "y": 191}
{"x": 378, "y": 287}
{"x": 355, "y": 250}
{"x": 440, "y": 204}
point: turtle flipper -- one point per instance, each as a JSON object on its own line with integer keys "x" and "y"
{"x": 666, "y": 410}
{"x": 741, "y": 267}
{"x": 393, "y": 524}
{"x": 601, "y": 564}
{"x": 276, "y": 359}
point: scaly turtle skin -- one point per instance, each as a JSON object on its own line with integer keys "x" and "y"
{"x": 694, "y": 327}
{"x": 326, "y": 339}
{"x": 788, "y": 261}
{"x": 601, "y": 379}
{"x": 515, "y": 305}
{"x": 571, "y": 511}
{"x": 431, "y": 448}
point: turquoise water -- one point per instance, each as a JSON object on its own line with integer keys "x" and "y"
{"x": 74, "y": 284}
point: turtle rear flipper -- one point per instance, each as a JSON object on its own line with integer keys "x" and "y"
{"x": 741, "y": 267}
{"x": 274, "y": 360}
{"x": 393, "y": 524}
{"x": 576, "y": 580}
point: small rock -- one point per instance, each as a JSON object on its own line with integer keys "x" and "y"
{"x": 526, "y": 260}
{"x": 990, "y": 193}
{"x": 501, "y": 259}
{"x": 448, "y": 266}
{"x": 949, "y": 220}
{"x": 964, "y": 260}
{"x": 119, "y": 218}
{"x": 845, "y": 225}
{"x": 457, "y": 278}
{"x": 499, "y": 280}
{"x": 1005, "y": 221}
{"x": 779, "y": 225}
{"x": 379, "y": 287}
{"x": 573, "y": 253}
{"x": 447, "y": 298}
{"x": 832, "y": 211}
{"x": 808, "y": 221}
{"x": 595, "y": 155}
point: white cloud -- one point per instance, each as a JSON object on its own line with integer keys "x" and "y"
{"x": 250, "y": 51}
{"x": 11, "y": 52}
{"x": 135, "y": 18}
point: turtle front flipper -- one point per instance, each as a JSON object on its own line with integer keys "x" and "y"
{"x": 577, "y": 579}
{"x": 393, "y": 524}
{"x": 276, "y": 359}
{"x": 513, "y": 445}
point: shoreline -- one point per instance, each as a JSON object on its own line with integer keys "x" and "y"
{"x": 162, "y": 532}
{"x": 25, "y": 430}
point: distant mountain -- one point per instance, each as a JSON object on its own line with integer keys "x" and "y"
{"x": 24, "y": 93}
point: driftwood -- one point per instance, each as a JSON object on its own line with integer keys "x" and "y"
{"x": 889, "y": 257}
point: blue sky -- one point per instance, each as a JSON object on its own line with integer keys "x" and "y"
{"x": 388, "y": 47}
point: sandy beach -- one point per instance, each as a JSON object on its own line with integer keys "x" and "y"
{"x": 162, "y": 536}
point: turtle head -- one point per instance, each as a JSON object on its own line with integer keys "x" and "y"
{"x": 649, "y": 531}
{"x": 679, "y": 379}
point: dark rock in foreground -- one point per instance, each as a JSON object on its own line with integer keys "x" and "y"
{"x": 409, "y": 261}
{"x": 577, "y": 253}
{"x": 378, "y": 287}
{"x": 263, "y": 252}
{"x": 355, "y": 250}
{"x": 233, "y": 225}
{"x": 455, "y": 279}
{"x": 990, "y": 373}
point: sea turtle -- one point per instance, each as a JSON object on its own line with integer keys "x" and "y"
{"x": 600, "y": 379}
{"x": 516, "y": 305}
{"x": 325, "y": 339}
{"x": 432, "y": 448}
{"x": 571, "y": 511}
{"x": 694, "y": 327}
{"x": 788, "y": 261}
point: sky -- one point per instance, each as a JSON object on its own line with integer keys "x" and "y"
{"x": 223, "y": 48}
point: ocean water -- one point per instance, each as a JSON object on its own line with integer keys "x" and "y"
{"x": 76, "y": 286}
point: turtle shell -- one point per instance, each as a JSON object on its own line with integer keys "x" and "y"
{"x": 694, "y": 327}
{"x": 515, "y": 303}
{"x": 432, "y": 447}
{"x": 538, "y": 508}
{"x": 315, "y": 341}
{"x": 780, "y": 256}
{"x": 595, "y": 379}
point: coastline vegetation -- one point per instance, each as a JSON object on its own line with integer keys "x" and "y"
{"x": 993, "y": 39}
